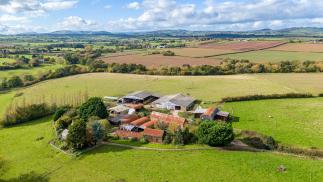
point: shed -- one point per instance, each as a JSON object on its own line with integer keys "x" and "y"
{"x": 148, "y": 124}
{"x": 119, "y": 109}
{"x": 153, "y": 135}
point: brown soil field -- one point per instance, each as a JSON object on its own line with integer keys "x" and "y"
{"x": 199, "y": 52}
{"x": 299, "y": 47}
{"x": 244, "y": 46}
{"x": 159, "y": 60}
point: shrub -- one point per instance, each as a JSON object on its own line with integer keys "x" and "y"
{"x": 14, "y": 81}
{"x": 60, "y": 111}
{"x": 168, "y": 53}
{"x": 215, "y": 133}
{"x": 258, "y": 140}
{"x": 93, "y": 107}
{"x": 76, "y": 137}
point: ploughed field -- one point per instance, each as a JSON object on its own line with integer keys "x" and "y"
{"x": 156, "y": 61}
{"x": 300, "y": 47}
{"x": 200, "y": 52}
{"x": 23, "y": 154}
{"x": 243, "y": 45}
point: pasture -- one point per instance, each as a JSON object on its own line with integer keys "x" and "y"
{"x": 6, "y": 60}
{"x": 206, "y": 88}
{"x": 266, "y": 56}
{"x": 296, "y": 122}
{"x": 154, "y": 61}
{"x": 31, "y": 71}
{"x": 23, "y": 154}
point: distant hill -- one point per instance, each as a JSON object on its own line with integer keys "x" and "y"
{"x": 288, "y": 32}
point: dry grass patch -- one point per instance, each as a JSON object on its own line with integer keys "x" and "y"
{"x": 300, "y": 47}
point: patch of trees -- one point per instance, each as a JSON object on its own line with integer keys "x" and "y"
{"x": 86, "y": 125}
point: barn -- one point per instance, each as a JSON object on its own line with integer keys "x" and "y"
{"x": 139, "y": 97}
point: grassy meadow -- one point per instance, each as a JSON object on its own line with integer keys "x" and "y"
{"x": 297, "y": 122}
{"x": 32, "y": 71}
{"x": 23, "y": 154}
{"x": 265, "y": 56}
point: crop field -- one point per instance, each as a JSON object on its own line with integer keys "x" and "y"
{"x": 265, "y": 56}
{"x": 159, "y": 60}
{"x": 300, "y": 47}
{"x": 296, "y": 122}
{"x": 244, "y": 45}
{"x": 23, "y": 154}
{"x": 199, "y": 52}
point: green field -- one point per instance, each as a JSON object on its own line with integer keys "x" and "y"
{"x": 266, "y": 56}
{"x": 23, "y": 154}
{"x": 208, "y": 88}
{"x": 32, "y": 71}
{"x": 6, "y": 60}
{"x": 297, "y": 122}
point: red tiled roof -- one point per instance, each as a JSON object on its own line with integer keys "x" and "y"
{"x": 209, "y": 111}
{"x": 153, "y": 132}
{"x": 167, "y": 118}
{"x": 140, "y": 121}
{"x": 128, "y": 134}
{"x": 148, "y": 124}
{"x": 128, "y": 119}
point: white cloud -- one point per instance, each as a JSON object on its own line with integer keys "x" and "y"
{"x": 133, "y": 5}
{"x": 247, "y": 14}
{"x": 34, "y": 6}
{"x": 108, "y": 6}
{"x": 76, "y": 23}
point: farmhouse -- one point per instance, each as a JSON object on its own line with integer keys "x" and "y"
{"x": 140, "y": 97}
{"x": 175, "y": 102}
{"x": 168, "y": 119}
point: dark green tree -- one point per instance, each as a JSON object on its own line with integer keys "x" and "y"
{"x": 14, "y": 81}
{"x": 93, "y": 107}
{"x": 76, "y": 137}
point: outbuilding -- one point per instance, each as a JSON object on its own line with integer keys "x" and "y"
{"x": 153, "y": 135}
{"x": 139, "y": 97}
{"x": 175, "y": 102}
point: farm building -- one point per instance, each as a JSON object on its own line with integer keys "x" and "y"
{"x": 215, "y": 114}
{"x": 123, "y": 134}
{"x": 119, "y": 109}
{"x": 153, "y": 135}
{"x": 175, "y": 102}
{"x": 123, "y": 119}
{"x": 140, "y": 121}
{"x": 168, "y": 119}
{"x": 140, "y": 97}
{"x": 148, "y": 124}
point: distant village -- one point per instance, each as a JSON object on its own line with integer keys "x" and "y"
{"x": 162, "y": 109}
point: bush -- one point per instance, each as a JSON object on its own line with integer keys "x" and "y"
{"x": 215, "y": 133}
{"x": 93, "y": 107}
{"x": 60, "y": 111}
{"x": 258, "y": 140}
{"x": 76, "y": 137}
{"x": 168, "y": 53}
{"x": 14, "y": 81}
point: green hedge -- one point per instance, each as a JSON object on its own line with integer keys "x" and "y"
{"x": 263, "y": 97}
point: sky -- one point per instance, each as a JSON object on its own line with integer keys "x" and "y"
{"x": 18, "y": 16}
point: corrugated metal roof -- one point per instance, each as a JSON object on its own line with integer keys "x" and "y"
{"x": 177, "y": 99}
{"x": 140, "y": 94}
